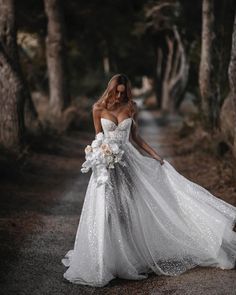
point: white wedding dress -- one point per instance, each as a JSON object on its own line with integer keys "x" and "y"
{"x": 152, "y": 219}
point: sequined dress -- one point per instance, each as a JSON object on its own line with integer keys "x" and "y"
{"x": 152, "y": 219}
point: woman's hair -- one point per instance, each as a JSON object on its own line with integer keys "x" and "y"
{"x": 107, "y": 99}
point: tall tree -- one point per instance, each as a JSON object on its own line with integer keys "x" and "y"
{"x": 171, "y": 66}
{"x": 232, "y": 79}
{"x": 11, "y": 86}
{"x": 56, "y": 59}
{"x": 205, "y": 71}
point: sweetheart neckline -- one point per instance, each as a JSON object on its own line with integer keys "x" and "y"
{"x": 114, "y": 122}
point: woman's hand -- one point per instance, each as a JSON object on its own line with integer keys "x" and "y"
{"x": 158, "y": 159}
{"x": 162, "y": 161}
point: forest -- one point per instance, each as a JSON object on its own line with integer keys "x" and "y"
{"x": 56, "y": 58}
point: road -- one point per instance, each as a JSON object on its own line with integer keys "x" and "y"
{"x": 40, "y": 211}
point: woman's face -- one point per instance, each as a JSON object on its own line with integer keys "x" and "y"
{"x": 120, "y": 90}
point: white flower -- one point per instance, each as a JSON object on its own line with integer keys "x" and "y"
{"x": 106, "y": 140}
{"x": 85, "y": 169}
{"x": 100, "y": 156}
{"x": 88, "y": 149}
{"x": 99, "y": 136}
{"x": 95, "y": 143}
{"x": 114, "y": 148}
{"x": 109, "y": 159}
{"x": 111, "y": 166}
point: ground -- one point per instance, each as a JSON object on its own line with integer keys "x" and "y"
{"x": 41, "y": 205}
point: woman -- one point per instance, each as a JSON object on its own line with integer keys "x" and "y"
{"x": 151, "y": 219}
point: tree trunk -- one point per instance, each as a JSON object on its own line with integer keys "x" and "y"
{"x": 8, "y": 36}
{"x": 11, "y": 86}
{"x": 158, "y": 77}
{"x": 232, "y": 79}
{"x": 165, "y": 83}
{"x": 55, "y": 52}
{"x": 205, "y": 71}
{"x": 179, "y": 73}
{"x": 175, "y": 73}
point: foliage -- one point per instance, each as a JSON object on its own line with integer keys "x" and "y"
{"x": 117, "y": 29}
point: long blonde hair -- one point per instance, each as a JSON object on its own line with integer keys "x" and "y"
{"x": 108, "y": 97}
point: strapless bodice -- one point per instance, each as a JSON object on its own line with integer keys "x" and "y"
{"x": 116, "y": 132}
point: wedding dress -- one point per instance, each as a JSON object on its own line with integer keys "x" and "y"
{"x": 152, "y": 219}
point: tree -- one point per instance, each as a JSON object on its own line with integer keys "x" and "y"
{"x": 56, "y": 60}
{"x": 232, "y": 80}
{"x": 11, "y": 86}
{"x": 176, "y": 73}
{"x": 171, "y": 66}
{"x": 205, "y": 71}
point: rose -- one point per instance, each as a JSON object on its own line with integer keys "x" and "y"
{"x": 98, "y": 140}
{"x": 95, "y": 143}
{"x": 85, "y": 167}
{"x": 106, "y": 150}
{"x": 99, "y": 136}
{"x": 100, "y": 156}
{"x": 104, "y": 146}
{"x": 115, "y": 148}
{"x": 88, "y": 149}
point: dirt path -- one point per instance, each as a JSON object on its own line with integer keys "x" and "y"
{"x": 40, "y": 210}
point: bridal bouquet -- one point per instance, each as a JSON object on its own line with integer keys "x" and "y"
{"x": 100, "y": 156}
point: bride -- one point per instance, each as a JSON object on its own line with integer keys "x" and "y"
{"x": 151, "y": 219}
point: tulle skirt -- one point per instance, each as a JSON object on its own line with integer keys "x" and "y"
{"x": 151, "y": 219}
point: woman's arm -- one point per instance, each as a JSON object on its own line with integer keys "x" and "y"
{"x": 97, "y": 120}
{"x": 142, "y": 143}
